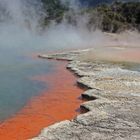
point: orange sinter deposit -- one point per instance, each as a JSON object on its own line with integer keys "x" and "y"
{"x": 58, "y": 103}
{"x": 132, "y": 55}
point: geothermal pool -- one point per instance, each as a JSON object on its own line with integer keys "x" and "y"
{"x": 18, "y": 46}
{"x": 18, "y": 65}
{"x": 16, "y": 69}
{"x": 32, "y": 90}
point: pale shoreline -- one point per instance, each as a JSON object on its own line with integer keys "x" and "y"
{"x": 113, "y": 109}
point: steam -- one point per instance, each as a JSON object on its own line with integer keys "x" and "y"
{"x": 72, "y": 4}
{"x": 73, "y": 32}
{"x": 20, "y": 28}
{"x": 25, "y": 13}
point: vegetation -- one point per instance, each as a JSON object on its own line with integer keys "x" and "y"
{"x": 114, "y": 17}
{"x": 54, "y": 10}
{"x": 120, "y": 16}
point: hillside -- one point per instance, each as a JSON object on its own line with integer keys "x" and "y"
{"x": 113, "y": 17}
{"x": 98, "y": 2}
{"x": 54, "y": 10}
{"x": 117, "y": 16}
{"x": 94, "y": 3}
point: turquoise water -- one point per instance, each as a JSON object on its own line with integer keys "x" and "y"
{"x": 135, "y": 67}
{"x": 16, "y": 87}
{"x": 17, "y": 68}
{"x": 132, "y": 66}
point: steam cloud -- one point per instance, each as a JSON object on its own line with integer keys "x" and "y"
{"x": 19, "y": 26}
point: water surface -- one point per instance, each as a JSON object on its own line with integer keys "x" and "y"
{"x": 17, "y": 67}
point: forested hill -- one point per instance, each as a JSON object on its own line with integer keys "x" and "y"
{"x": 118, "y": 16}
{"x": 114, "y": 16}
{"x": 93, "y": 3}
{"x": 107, "y": 15}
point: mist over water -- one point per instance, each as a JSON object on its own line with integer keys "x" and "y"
{"x": 19, "y": 38}
{"x": 20, "y": 28}
{"x": 21, "y": 35}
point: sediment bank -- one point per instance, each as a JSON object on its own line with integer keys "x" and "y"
{"x": 114, "y": 106}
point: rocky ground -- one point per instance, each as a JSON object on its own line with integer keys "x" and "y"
{"x": 113, "y": 109}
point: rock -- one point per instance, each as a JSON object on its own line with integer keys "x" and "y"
{"x": 114, "y": 106}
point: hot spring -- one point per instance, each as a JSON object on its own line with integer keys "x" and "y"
{"x": 21, "y": 38}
